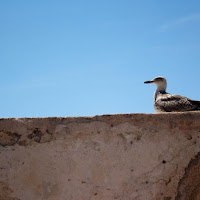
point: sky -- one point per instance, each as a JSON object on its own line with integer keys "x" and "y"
{"x": 61, "y": 58}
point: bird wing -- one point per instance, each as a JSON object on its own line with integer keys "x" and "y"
{"x": 176, "y": 103}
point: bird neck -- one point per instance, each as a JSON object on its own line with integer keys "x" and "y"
{"x": 161, "y": 88}
{"x": 158, "y": 93}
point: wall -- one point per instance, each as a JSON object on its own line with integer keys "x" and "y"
{"x": 124, "y": 157}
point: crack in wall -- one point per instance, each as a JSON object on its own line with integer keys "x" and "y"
{"x": 36, "y": 135}
{"x": 186, "y": 186}
{"x": 139, "y": 191}
{"x": 8, "y": 138}
{"x": 167, "y": 161}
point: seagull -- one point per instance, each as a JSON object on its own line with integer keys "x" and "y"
{"x": 165, "y": 102}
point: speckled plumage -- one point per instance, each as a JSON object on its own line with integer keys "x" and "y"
{"x": 165, "y": 102}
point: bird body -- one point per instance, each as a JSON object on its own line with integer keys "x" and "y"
{"x": 165, "y": 102}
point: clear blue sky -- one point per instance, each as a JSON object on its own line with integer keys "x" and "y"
{"x": 83, "y": 58}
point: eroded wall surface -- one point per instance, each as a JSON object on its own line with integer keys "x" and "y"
{"x": 124, "y": 157}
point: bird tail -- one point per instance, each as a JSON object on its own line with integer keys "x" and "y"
{"x": 196, "y": 103}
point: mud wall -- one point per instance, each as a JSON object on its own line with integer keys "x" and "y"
{"x": 124, "y": 157}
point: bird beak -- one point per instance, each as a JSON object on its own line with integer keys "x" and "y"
{"x": 148, "y": 81}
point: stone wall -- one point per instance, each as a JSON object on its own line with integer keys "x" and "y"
{"x": 110, "y": 157}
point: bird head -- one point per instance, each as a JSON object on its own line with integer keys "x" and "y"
{"x": 160, "y": 82}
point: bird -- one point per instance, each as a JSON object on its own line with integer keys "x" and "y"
{"x": 166, "y": 102}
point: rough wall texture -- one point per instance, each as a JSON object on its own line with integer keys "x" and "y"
{"x": 124, "y": 157}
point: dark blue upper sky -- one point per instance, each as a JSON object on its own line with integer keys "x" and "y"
{"x": 77, "y": 58}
